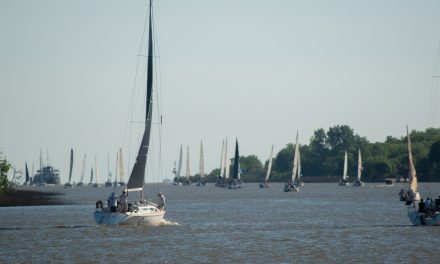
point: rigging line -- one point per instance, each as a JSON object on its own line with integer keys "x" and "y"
{"x": 435, "y": 74}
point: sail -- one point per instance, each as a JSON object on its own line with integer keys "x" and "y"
{"x": 236, "y": 172}
{"x": 27, "y": 173}
{"x": 228, "y": 168}
{"x": 179, "y": 168}
{"x": 137, "y": 176}
{"x": 96, "y": 170}
{"x": 359, "y": 165}
{"x": 269, "y": 166}
{"x": 71, "y": 165}
{"x": 225, "y": 156}
{"x": 299, "y": 163}
{"x": 188, "y": 170}
{"x": 121, "y": 166}
{"x": 344, "y": 176}
{"x": 116, "y": 168}
{"x": 83, "y": 172}
{"x": 91, "y": 175}
{"x": 222, "y": 161}
{"x": 412, "y": 170}
{"x": 295, "y": 159}
{"x": 202, "y": 162}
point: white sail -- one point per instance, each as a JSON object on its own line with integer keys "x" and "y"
{"x": 222, "y": 160}
{"x": 227, "y": 169}
{"x": 359, "y": 166}
{"x": 121, "y": 166}
{"x": 225, "y": 156}
{"x": 412, "y": 170}
{"x": 344, "y": 176}
{"x": 269, "y": 166}
{"x": 202, "y": 162}
{"x": 179, "y": 167}
{"x": 83, "y": 172}
{"x": 96, "y": 170}
{"x": 188, "y": 172}
{"x": 295, "y": 159}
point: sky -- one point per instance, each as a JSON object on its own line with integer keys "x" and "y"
{"x": 253, "y": 70}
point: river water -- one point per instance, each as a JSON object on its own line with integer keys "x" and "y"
{"x": 321, "y": 223}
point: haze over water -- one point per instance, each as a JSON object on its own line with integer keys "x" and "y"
{"x": 321, "y": 223}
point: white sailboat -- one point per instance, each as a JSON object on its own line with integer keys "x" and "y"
{"x": 179, "y": 169}
{"x": 266, "y": 184}
{"x": 358, "y": 182}
{"x": 202, "y": 180}
{"x": 220, "y": 178}
{"x": 68, "y": 184}
{"x": 141, "y": 212}
{"x": 419, "y": 212}
{"x": 83, "y": 172}
{"x": 96, "y": 185}
{"x": 344, "y": 180}
{"x": 187, "y": 180}
{"x": 290, "y": 186}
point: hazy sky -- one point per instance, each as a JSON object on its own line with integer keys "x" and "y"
{"x": 256, "y": 70}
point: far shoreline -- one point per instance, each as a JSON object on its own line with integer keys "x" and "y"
{"x": 29, "y": 198}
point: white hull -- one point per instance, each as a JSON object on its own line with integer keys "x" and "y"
{"x": 420, "y": 219}
{"x": 143, "y": 215}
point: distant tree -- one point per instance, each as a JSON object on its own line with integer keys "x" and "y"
{"x": 252, "y": 168}
{"x": 4, "y": 182}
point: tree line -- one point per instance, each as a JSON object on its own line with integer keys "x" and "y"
{"x": 323, "y": 157}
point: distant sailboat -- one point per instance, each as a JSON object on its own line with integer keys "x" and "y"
{"x": 68, "y": 184}
{"x": 91, "y": 176}
{"x": 236, "y": 182}
{"x": 202, "y": 180}
{"x": 290, "y": 186}
{"x": 297, "y": 182}
{"x": 220, "y": 179}
{"x": 108, "y": 183}
{"x": 344, "y": 180}
{"x": 121, "y": 181}
{"x": 28, "y": 180}
{"x": 419, "y": 212}
{"x": 179, "y": 168}
{"x": 83, "y": 172}
{"x": 96, "y": 173}
{"x": 141, "y": 212}
{"x": 188, "y": 169}
{"x": 266, "y": 184}
{"x": 358, "y": 182}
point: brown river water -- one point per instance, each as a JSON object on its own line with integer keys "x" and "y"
{"x": 322, "y": 223}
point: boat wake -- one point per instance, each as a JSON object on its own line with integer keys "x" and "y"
{"x": 168, "y": 223}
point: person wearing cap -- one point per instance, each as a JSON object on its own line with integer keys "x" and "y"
{"x": 161, "y": 203}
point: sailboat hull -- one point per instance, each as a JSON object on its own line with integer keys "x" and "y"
{"x": 358, "y": 183}
{"x": 420, "y": 219}
{"x": 145, "y": 215}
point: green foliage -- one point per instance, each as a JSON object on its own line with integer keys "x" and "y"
{"x": 4, "y": 169}
{"x": 324, "y": 156}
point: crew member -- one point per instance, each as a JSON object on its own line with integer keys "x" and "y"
{"x": 161, "y": 203}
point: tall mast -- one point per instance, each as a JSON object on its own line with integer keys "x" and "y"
{"x": 179, "y": 168}
{"x": 225, "y": 157}
{"x": 222, "y": 161}
{"x": 71, "y": 164}
{"x": 137, "y": 177}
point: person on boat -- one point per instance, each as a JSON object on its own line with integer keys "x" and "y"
{"x": 112, "y": 202}
{"x": 161, "y": 203}
{"x": 421, "y": 206}
{"x": 124, "y": 201}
